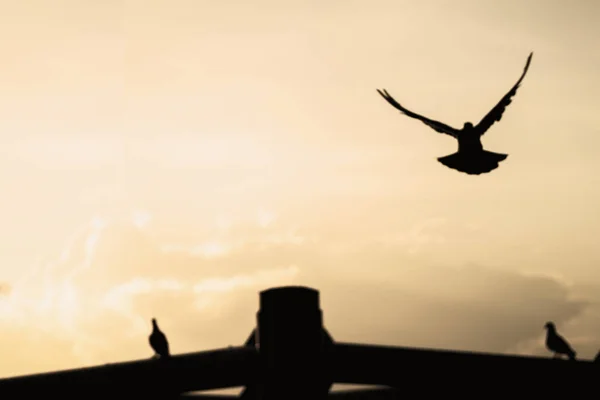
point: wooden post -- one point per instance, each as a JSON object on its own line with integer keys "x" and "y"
{"x": 291, "y": 345}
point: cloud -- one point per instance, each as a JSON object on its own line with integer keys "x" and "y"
{"x": 141, "y": 218}
{"x": 265, "y": 217}
{"x": 470, "y": 308}
{"x": 5, "y": 289}
{"x": 94, "y": 303}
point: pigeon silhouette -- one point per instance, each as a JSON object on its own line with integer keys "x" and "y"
{"x": 158, "y": 341}
{"x": 556, "y": 343}
{"x": 470, "y": 158}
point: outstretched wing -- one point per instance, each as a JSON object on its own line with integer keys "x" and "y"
{"x": 436, "y": 125}
{"x": 495, "y": 113}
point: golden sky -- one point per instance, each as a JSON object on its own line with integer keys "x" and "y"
{"x": 171, "y": 159}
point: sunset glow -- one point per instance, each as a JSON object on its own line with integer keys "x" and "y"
{"x": 171, "y": 159}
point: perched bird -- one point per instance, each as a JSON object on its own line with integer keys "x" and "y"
{"x": 158, "y": 341}
{"x": 470, "y": 158}
{"x": 556, "y": 343}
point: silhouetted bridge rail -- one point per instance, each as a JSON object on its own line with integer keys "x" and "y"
{"x": 291, "y": 356}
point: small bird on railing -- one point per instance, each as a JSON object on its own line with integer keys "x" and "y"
{"x": 158, "y": 341}
{"x": 556, "y": 343}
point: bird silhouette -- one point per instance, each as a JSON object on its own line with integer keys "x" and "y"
{"x": 470, "y": 158}
{"x": 556, "y": 343}
{"x": 158, "y": 341}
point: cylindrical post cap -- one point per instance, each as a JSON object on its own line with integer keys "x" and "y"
{"x": 289, "y": 297}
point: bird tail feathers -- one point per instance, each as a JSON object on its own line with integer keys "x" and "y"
{"x": 473, "y": 163}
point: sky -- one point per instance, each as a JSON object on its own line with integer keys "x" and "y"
{"x": 171, "y": 159}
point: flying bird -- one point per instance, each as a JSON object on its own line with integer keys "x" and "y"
{"x": 470, "y": 158}
{"x": 158, "y": 341}
{"x": 556, "y": 343}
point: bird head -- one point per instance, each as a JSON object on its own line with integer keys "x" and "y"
{"x": 549, "y": 325}
{"x": 468, "y": 125}
{"x": 153, "y": 321}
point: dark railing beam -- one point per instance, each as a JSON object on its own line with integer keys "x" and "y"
{"x": 463, "y": 373}
{"x": 207, "y": 397}
{"x": 368, "y": 394}
{"x": 216, "y": 369}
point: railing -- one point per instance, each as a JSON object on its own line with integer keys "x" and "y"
{"x": 290, "y": 355}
